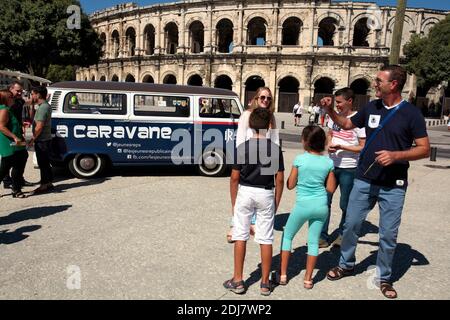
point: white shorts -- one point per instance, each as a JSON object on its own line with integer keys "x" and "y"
{"x": 252, "y": 200}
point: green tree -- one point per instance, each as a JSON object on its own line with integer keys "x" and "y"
{"x": 34, "y": 34}
{"x": 58, "y": 73}
{"x": 428, "y": 57}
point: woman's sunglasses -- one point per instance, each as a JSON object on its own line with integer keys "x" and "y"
{"x": 262, "y": 98}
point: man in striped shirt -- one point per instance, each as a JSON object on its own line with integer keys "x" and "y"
{"x": 344, "y": 147}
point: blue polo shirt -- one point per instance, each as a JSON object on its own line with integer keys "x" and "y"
{"x": 398, "y": 134}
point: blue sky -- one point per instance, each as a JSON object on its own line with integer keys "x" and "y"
{"x": 90, "y": 6}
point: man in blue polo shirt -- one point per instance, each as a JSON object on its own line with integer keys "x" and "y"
{"x": 382, "y": 172}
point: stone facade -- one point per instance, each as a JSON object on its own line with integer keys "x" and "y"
{"x": 296, "y": 48}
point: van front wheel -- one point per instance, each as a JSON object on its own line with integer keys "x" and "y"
{"x": 84, "y": 166}
{"x": 212, "y": 163}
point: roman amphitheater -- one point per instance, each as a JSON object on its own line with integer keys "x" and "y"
{"x": 299, "y": 49}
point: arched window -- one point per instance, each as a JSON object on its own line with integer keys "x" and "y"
{"x": 93, "y": 78}
{"x": 327, "y": 30}
{"x": 291, "y": 32}
{"x": 223, "y": 82}
{"x": 149, "y": 39}
{"x": 115, "y": 78}
{"x": 116, "y": 43}
{"x": 170, "y": 79}
{"x": 224, "y": 31}
{"x": 256, "y": 32}
{"x": 104, "y": 46}
{"x": 195, "y": 80}
{"x": 103, "y": 78}
{"x": 251, "y": 85}
{"x": 131, "y": 41}
{"x": 130, "y": 78}
{"x": 196, "y": 37}
{"x": 323, "y": 87}
{"x": 288, "y": 94}
{"x": 171, "y": 36}
{"x": 361, "y": 89}
{"x": 361, "y": 33}
{"x": 148, "y": 79}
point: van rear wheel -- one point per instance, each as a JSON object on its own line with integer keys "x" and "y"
{"x": 212, "y": 163}
{"x": 84, "y": 166}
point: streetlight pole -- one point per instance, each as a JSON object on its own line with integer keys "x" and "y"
{"x": 398, "y": 31}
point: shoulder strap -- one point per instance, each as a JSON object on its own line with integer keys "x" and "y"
{"x": 382, "y": 124}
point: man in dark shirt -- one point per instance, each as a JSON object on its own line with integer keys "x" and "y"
{"x": 258, "y": 163}
{"x": 381, "y": 174}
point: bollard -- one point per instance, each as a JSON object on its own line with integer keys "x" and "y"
{"x": 433, "y": 154}
{"x": 282, "y": 124}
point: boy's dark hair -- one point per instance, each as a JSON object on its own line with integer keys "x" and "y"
{"x": 314, "y": 138}
{"x": 42, "y": 91}
{"x": 396, "y": 73}
{"x": 260, "y": 119}
{"x": 346, "y": 92}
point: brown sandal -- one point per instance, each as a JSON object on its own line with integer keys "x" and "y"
{"x": 339, "y": 273}
{"x": 385, "y": 287}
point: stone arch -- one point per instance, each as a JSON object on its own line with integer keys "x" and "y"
{"x": 291, "y": 31}
{"x": 427, "y": 24}
{"x": 328, "y": 29}
{"x": 196, "y": 36}
{"x": 361, "y": 88}
{"x": 104, "y": 41}
{"x": 252, "y": 83}
{"x": 103, "y": 78}
{"x": 336, "y": 16}
{"x": 367, "y": 15}
{"x": 130, "y": 78}
{"x": 147, "y": 78}
{"x": 195, "y": 80}
{"x": 130, "y": 41}
{"x": 93, "y": 77}
{"x": 361, "y": 33}
{"x": 169, "y": 78}
{"x": 115, "y": 38}
{"x": 257, "y": 29}
{"x": 323, "y": 86}
{"x": 408, "y": 20}
{"x": 115, "y": 78}
{"x": 224, "y": 35}
{"x": 171, "y": 37}
{"x": 287, "y": 93}
{"x": 257, "y": 15}
{"x": 223, "y": 81}
{"x": 325, "y": 75}
{"x": 366, "y": 77}
{"x": 149, "y": 39}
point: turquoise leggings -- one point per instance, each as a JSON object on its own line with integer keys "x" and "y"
{"x": 315, "y": 211}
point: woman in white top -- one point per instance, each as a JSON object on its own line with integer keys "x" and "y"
{"x": 263, "y": 99}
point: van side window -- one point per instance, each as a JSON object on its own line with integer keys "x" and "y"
{"x": 95, "y": 103}
{"x": 218, "y": 108}
{"x": 162, "y": 106}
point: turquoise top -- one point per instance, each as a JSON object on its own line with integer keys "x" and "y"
{"x": 313, "y": 171}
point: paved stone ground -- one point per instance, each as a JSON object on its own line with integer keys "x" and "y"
{"x": 159, "y": 233}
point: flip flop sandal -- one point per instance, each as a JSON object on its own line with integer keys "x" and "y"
{"x": 265, "y": 286}
{"x": 339, "y": 273}
{"x": 385, "y": 287}
{"x": 236, "y": 287}
{"x": 19, "y": 195}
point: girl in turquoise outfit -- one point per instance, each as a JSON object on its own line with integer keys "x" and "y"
{"x": 312, "y": 174}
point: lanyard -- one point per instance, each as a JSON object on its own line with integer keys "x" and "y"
{"x": 383, "y": 123}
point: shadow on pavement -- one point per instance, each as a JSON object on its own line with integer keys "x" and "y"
{"x": 17, "y": 235}
{"x": 32, "y": 214}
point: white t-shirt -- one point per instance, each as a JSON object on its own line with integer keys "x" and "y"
{"x": 316, "y": 109}
{"x": 342, "y": 158}
{"x": 297, "y": 109}
{"x": 244, "y": 132}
